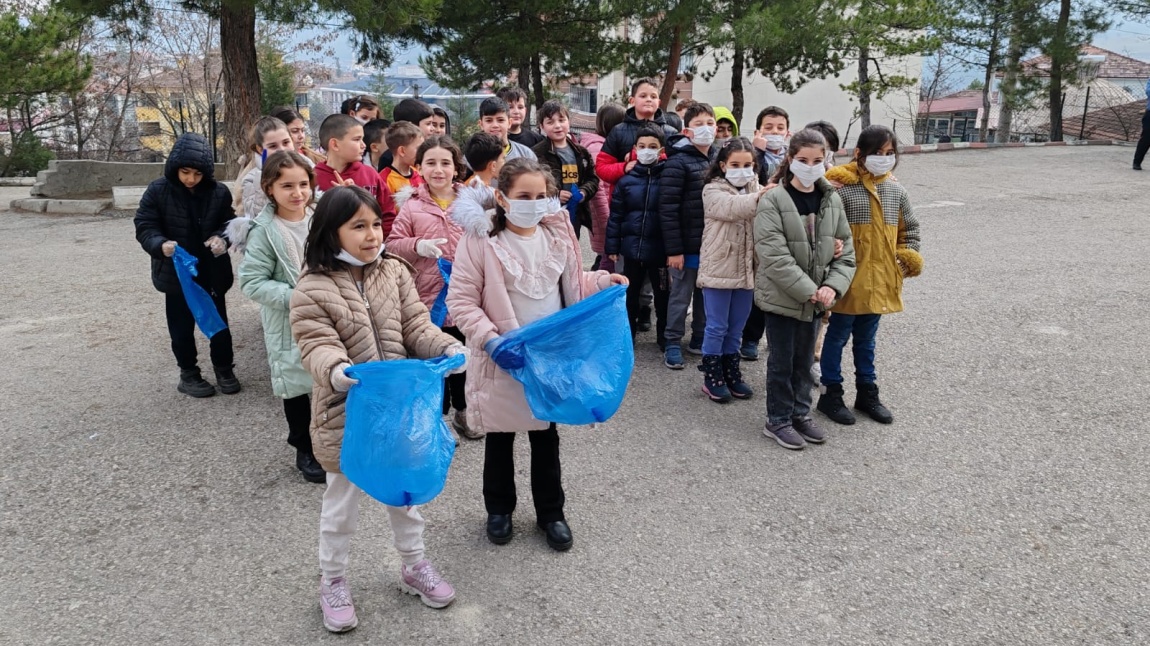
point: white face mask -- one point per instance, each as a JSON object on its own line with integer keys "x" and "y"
{"x": 721, "y": 141}
{"x": 345, "y": 256}
{"x": 647, "y": 156}
{"x": 776, "y": 142}
{"x": 740, "y": 177}
{"x": 880, "y": 165}
{"x": 527, "y": 213}
{"x": 703, "y": 135}
{"x": 807, "y": 175}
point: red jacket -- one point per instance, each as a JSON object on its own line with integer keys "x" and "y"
{"x": 364, "y": 177}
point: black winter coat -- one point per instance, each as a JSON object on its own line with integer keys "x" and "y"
{"x": 634, "y": 229}
{"x": 622, "y": 137}
{"x": 681, "y": 197}
{"x": 588, "y": 181}
{"x": 169, "y": 211}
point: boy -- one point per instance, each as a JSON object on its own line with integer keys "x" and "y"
{"x": 681, "y": 214}
{"x": 403, "y": 140}
{"x": 516, "y": 100}
{"x": 412, "y": 111}
{"x": 772, "y": 129}
{"x": 189, "y": 208}
{"x": 440, "y": 122}
{"x": 373, "y": 132}
{"x": 342, "y": 139}
{"x": 569, "y": 162}
{"x": 614, "y": 159}
{"x": 725, "y": 127}
{"x": 634, "y": 230}
{"x": 493, "y": 121}
{"x": 485, "y": 155}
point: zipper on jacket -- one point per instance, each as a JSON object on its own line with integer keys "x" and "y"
{"x": 370, "y": 316}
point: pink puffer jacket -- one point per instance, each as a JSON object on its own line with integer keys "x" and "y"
{"x": 601, "y": 201}
{"x": 478, "y": 299}
{"x": 420, "y": 218}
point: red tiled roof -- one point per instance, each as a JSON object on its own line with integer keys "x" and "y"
{"x": 957, "y": 102}
{"x": 1116, "y": 66}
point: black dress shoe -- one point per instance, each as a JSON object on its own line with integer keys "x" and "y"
{"x": 227, "y": 382}
{"x": 309, "y": 467}
{"x": 499, "y": 528}
{"x": 558, "y": 535}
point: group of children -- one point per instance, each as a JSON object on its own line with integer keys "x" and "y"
{"x": 678, "y": 204}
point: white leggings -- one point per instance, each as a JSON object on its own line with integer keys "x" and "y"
{"x": 340, "y": 516}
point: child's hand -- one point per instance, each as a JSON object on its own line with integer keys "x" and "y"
{"x": 430, "y": 248}
{"x": 838, "y": 247}
{"x": 825, "y": 296}
{"x": 763, "y": 190}
{"x": 759, "y": 142}
{"x": 217, "y": 245}
{"x": 169, "y": 248}
{"x": 339, "y": 181}
{"x": 675, "y": 262}
{"x": 631, "y": 164}
{"x": 836, "y": 185}
{"x": 564, "y": 196}
{"x": 341, "y": 382}
{"x": 614, "y": 257}
{"x": 618, "y": 279}
{"x": 456, "y": 349}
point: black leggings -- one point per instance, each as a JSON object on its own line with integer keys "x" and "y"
{"x": 454, "y": 393}
{"x": 546, "y": 474}
{"x": 297, "y": 410}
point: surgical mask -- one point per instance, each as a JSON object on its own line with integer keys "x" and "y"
{"x": 356, "y": 262}
{"x": 721, "y": 141}
{"x": 527, "y": 213}
{"x": 740, "y": 177}
{"x": 647, "y": 156}
{"x": 880, "y": 165}
{"x": 703, "y": 135}
{"x": 361, "y": 120}
{"x": 807, "y": 175}
{"x": 776, "y": 142}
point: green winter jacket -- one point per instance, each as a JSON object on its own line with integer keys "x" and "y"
{"x": 268, "y": 276}
{"x": 790, "y": 269}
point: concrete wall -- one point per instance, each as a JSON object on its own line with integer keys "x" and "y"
{"x": 71, "y": 178}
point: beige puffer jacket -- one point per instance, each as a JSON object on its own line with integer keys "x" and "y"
{"x": 727, "y": 257}
{"x": 333, "y": 322}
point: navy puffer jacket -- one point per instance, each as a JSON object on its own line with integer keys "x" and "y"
{"x": 681, "y": 197}
{"x": 169, "y": 211}
{"x": 634, "y": 230}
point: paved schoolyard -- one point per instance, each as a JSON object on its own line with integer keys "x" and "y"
{"x": 1006, "y": 505}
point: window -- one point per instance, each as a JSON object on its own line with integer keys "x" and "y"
{"x": 149, "y": 128}
{"x": 176, "y": 99}
{"x": 585, "y": 99}
{"x": 300, "y": 100}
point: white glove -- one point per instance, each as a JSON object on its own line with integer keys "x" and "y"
{"x": 455, "y": 349}
{"x": 430, "y": 248}
{"x": 217, "y": 245}
{"x": 341, "y": 382}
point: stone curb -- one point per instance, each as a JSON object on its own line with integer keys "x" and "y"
{"x": 61, "y": 207}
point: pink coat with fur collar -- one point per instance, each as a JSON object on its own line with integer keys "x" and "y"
{"x": 478, "y": 301}
{"x": 421, "y": 218}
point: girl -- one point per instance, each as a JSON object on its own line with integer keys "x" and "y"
{"x": 727, "y": 266}
{"x": 273, "y": 259}
{"x": 887, "y": 247}
{"x": 798, "y": 276}
{"x": 269, "y": 135}
{"x": 354, "y": 304}
{"x": 608, "y": 116}
{"x": 297, "y": 128}
{"x": 422, "y": 233}
{"x": 517, "y": 262}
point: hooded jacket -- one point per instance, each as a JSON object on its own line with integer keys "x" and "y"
{"x": 886, "y": 240}
{"x": 601, "y": 203}
{"x": 635, "y": 229}
{"x": 727, "y": 258}
{"x": 421, "y": 218}
{"x": 723, "y": 114}
{"x": 169, "y": 211}
{"x": 681, "y": 197}
{"x": 611, "y": 164}
{"x": 588, "y": 182}
{"x": 478, "y": 301}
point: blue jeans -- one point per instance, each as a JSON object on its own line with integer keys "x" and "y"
{"x": 727, "y": 312}
{"x": 790, "y": 354}
{"x": 864, "y": 327}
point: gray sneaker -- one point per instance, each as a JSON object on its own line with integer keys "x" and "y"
{"x": 810, "y": 431}
{"x": 785, "y": 435}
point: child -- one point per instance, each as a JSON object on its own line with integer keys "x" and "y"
{"x": 268, "y": 135}
{"x": 297, "y": 128}
{"x": 634, "y": 230}
{"x": 189, "y": 208}
{"x": 516, "y": 100}
{"x": 798, "y": 276}
{"x": 725, "y": 127}
{"x": 571, "y": 165}
{"x": 423, "y": 233}
{"x": 608, "y": 116}
{"x": 831, "y": 134}
{"x": 493, "y": 121}
{"x": 403, "y": 140}
{"x": 440, "y": 122}
{"x": 362, "y": 108}
{"x": 727, "y": 266}
{"x": 886, "y": 241}
{"x": 335, "y": 327}
{"x": 273, "y": 259}
{"x": 681, "y": 215}
{"x": 486, "y": 155}
{"x": 614, "y": 159}
{"x": 413, "y": 111}
{"x": 374, "y": 140}
{"x": 517, "y": 262}
{"x": 342, "y": 138}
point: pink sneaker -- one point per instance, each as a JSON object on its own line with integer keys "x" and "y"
{"x": 423, "y": 579}
{"x": 335, "y": 601}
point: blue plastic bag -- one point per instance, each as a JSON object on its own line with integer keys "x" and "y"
{"x": 439, "y": 307}
{"x": 199, "y": 301}
{"x": 575, "y": 364}
{"x": 395, "y": 444}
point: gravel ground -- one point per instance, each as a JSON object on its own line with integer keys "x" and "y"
{"x": 1006, "y": 505}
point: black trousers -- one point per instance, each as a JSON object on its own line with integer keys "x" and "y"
{"x": 636, "y": 272}
{"x": 546, "y": 477}
{"x": 756, "y": 325}
{"x": 454, "y": 393}
{"x": 1144, "y": 140}
{"x": 182, "y": 329}
{"x": 297, "y": 410}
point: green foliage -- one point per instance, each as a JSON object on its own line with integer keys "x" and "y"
{"x": 379, "y": 88}
{"x": 878, "y": 29}
{"x": 976, "y": 84}
{"x": 27, "y": 157}
{"x": 34, "y": 59}
{"x": 277, "y": 77}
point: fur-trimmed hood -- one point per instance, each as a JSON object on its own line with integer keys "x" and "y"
{"x": 404, "y": 194}
{"x": 474, "y": 210}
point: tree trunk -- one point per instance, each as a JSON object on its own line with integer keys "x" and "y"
{"x": 992, "y": 57}
{"x": 738, "y": 66}
{"x": 1059, "y": 53}
{"x": 241, "y": 77}
{"x": 537, "y": 88}
{"x": 864, "y": 87}
{"x": 672, "y": 74}
{"x": 1009, "y": 87}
